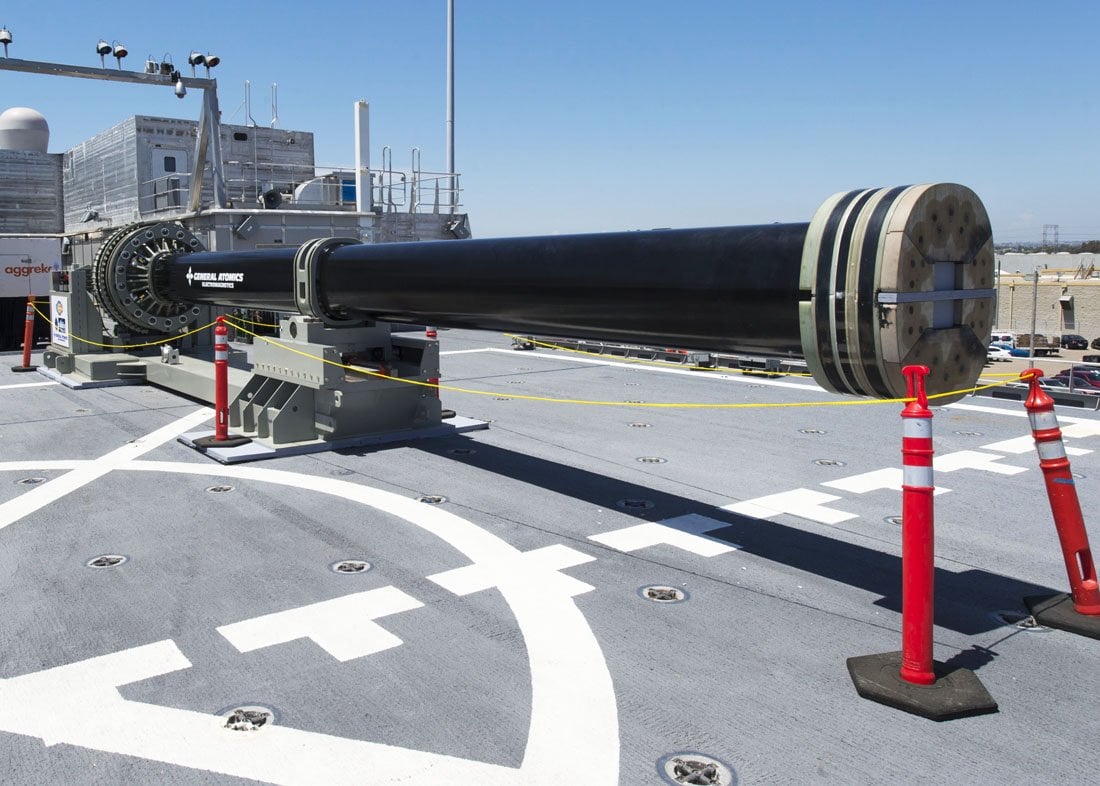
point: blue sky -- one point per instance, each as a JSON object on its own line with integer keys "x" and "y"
{"x": 589, "y": 116}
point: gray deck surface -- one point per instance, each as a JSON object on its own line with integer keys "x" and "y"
{"x": 541, "y": 663}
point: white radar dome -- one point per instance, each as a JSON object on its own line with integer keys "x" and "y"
{"x": 24, "y": 129}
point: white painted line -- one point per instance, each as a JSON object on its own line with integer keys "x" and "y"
{"x": 29, "y": 466}
{"x": 27, "y": 385}
{"x": 808, "y": 386}
{"x": 519, "y": 568}
{"x": 469, "y": 351}
{"x": 342, "y": 627}
{"x": 806, "y": 503}
{"x": 683, "y": 532}
{"x": 972, "y": 459}
{"x": 1012, "y": 413}
{"x": 39, "y": 496}
{"x": 888, "y": 478}
{"x": 1080, "y": 428}
{"x": 572, "y": 697}
{"x": 1026, "y": 444}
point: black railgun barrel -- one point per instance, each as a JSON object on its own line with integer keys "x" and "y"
{"x": 879, "y": 279}
{"x": 723, "y": 289}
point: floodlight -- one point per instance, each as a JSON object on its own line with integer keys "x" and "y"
{"x": 120, "y": 52}
{"x": 5, "y": 39}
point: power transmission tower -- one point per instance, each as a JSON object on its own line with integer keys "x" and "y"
{"x": 1051, "y": 231}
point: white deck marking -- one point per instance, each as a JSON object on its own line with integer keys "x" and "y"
{"x": 888, "y": 479}
{"x": 342, "y": 627}
{"x": 800, "y": 502}
{"x": 1076, "y": 428}
{"x": 39, "y": 496}
{"x": 468, "y": 351}
{"x": 573, "y": 704}
{"x": 733, "y": 376}
{"x": 27, "y": 385}
{"x": 972, "y": 459}
{"x": 79, "y": 704}
{"x": 519, "y": 568}
{"x": 30, "y": 466}
{"x": 1026, "y": 444}
{"x": 1012, "y": 413}
{"x": 683, "y": 532}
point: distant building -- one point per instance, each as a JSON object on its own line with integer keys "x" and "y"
{"x": 1066, "y": 297}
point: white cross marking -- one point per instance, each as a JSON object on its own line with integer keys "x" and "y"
{"x": 342, "y": 627}
{"x": 519, "y": 567}
{"x": 972, "y": 459}
{"x": 1026, "y": 444}
{"x": 799, "y": 502}
{"x": 683, "y": 532}
{"x": 876, "y": 480}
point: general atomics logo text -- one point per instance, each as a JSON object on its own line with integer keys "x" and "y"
{"x": 214, "y": 280}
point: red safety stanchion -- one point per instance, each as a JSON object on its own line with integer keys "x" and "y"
{"x": 28, "y": 338}
{"x": 917, "y": 533}
{"x": 221, "y": 438}
{"x": 221, "y": 381}
{"x": 1079, "y": 611}
{"x": 911, "y": 680}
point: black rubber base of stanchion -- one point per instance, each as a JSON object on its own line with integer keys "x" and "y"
{"x": 213, "y": 442}
{"x": 24, "y": 369}
{"x": 1056, "y": 611}
{"x": 955, "y": 694}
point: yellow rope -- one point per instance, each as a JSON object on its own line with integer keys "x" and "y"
{"x": 651, "y": 405}
{"x": 129, "y": 346}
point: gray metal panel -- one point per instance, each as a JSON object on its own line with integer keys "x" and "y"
{"x": 100, "y": 175}
{"x": 257, "y": 158}
{"x": 30, "y": 192}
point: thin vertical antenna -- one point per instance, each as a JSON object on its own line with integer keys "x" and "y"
{"x": 274, "y": 104}
{"x": 451, "y": 101}
{"x": 248, "y": 121}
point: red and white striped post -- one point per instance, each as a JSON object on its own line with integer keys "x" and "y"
{"x": 28, "y": 337}
{"x": 432, "y": 334}
{"x": 221, "y": 381}
{"x": 917, "y": 533}
{"x": 911, "y": 680}
{"x": 1062, "y": 492}
{"x": 221, "y": 437}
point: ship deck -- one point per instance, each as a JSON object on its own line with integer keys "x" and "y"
{"x": 501, "y": 631}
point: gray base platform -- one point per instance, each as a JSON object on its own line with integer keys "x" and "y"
{"x": 256, "y": 451}
{"x": 954, "y": 694}
{"x": 78, "y": 381}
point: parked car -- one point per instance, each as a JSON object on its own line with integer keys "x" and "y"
{"x": 1016, "y": 352}
{"x": 1073, "y": 341}
{"x": 1095, "y": 343}
{"x": 997, "y": 353}
{"x": 1082, "y": 377}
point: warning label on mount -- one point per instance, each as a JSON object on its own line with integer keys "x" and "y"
{"x": 214, "y": 280}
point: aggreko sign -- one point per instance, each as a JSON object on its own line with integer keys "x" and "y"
{"x": 26, "y": 264}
